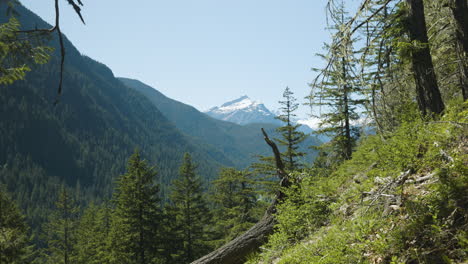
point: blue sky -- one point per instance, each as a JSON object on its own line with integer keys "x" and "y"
{"x": 203, "y": 52}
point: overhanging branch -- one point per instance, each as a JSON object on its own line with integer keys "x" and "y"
{"x": 56, "y": 27}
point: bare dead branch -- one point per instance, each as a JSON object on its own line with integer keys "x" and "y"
{"x": 363, "y": 6}
{"x": 62, "y": 50}
{"x": 278, "y": 160}
{"x": 236, "y": 251}
{"x": 56, "y": 28}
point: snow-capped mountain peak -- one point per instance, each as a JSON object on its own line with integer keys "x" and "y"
{"x": 243, "y": 111}
{"x": 312, "y": 122}
{"x": 242, "y": 103}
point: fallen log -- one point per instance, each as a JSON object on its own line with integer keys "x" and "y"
{"x": 237, "y": 250}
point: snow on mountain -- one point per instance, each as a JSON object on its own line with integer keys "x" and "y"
{"x": 243, "y": 111}
{"x": 312, "y": 122}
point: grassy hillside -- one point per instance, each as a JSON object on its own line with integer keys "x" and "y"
{"x": 400, "y": 199}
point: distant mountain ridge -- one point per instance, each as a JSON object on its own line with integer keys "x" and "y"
{"x": 243, "y": 111}
{"x": 237, "y": 144}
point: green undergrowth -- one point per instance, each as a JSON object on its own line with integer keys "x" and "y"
{"x": 402, "y": 198}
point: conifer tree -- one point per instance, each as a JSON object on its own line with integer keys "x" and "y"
{"x": 234, "y": 198}
{"x": 337, "y": 93}
{"x": 380, "y": 66}
{"x": 190, "y": 212}
{"x": 92, "y": 235}
{"x": 14, "y": 240}
{"x": 134, "y": 232}
{"x": 460, "y": 10}
{"x": 17, "y": 50}
{"x": 266, "y": 172}
{"x": 61, "y": 230}
{"x": 290, "y": 136}
{"x": 427, "y": 90}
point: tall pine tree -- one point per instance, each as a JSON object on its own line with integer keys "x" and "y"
{"x": 235, "y": 200}
{"x": 337, "y": 93}
{"x": 92, "y": 235}
{"x": 291, "y": 137}
{"x": 427, "y": 89}
{"x": 61, "y": 230}
{"x": 190, "y": 212}
{"x": 14, "y": 240}
{"x": 460, "y": 10}
{"x": 135, "y": 225}
{"x": 289, "y": 140}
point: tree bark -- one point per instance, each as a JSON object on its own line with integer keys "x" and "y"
{"x": 236, "y": 251}
{"x": 427, "y": 91}
{"x": 348, "y": 143}
{"x": 460, "y": 14}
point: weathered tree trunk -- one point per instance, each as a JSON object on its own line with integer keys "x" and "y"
{"x": 348, "y": 143}
{"x": 236, "y": 251}
{"x": 427, "y": 91}
{"x": 460, "y": 13}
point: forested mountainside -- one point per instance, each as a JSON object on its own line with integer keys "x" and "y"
{"x": 85, "y": 140}
{"x": 239, "y": 143}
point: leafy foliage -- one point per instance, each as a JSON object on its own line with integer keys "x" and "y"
{"x": 399, "y": 198}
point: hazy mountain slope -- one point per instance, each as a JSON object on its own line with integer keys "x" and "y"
{"x": 86, "y": 139}
{"x": 238, "y": 143}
